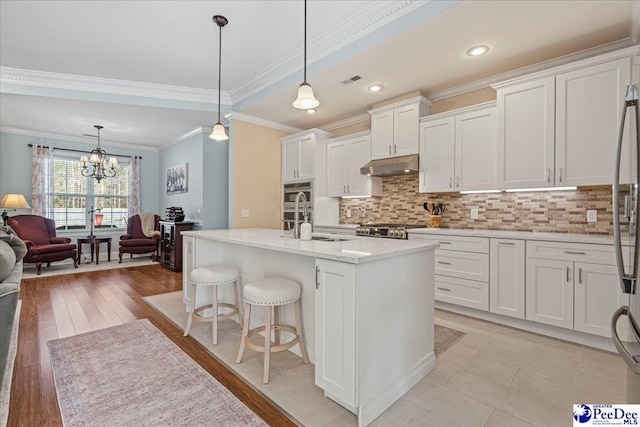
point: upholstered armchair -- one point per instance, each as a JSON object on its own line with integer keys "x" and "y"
{"x": 39, "y": 234}
{"x": 136, "y": 241}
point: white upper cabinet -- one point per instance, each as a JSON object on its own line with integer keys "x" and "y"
{"x": 560, "y": 127}
{"x": 299, "y": 153}
{"x": 457, "y": 150}
{"x": 526, "y": 124}
{"x": 345, "y": 156}
{"x": 588, "y": 111}
{"x": 394, "y": 128}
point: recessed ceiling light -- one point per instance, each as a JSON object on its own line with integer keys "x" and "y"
{"x": 375, "y": 88}
{"x": 478, "y": 50}
{"x": 311, "y": 111}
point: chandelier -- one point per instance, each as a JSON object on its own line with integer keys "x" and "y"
{"x": 98, "y": 162}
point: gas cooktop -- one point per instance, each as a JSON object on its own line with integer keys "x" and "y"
{"x": 392, "y": 231}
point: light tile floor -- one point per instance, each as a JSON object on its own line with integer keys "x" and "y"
{"x": 494, "y": 376}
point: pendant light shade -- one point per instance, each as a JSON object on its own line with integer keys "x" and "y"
{"x": 219, "y": 133}
{"x": 305, "y": 99}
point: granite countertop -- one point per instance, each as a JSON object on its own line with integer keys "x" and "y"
{"x": 352, "y": 250}
{"x": 340, "y": 226}
{"x": 524, "y": 235}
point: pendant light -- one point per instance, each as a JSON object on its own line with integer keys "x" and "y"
{"x": 305, "y": 99}
{"x": 219, "y": 134}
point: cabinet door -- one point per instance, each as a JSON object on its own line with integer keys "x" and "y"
{"x": 335, "y": 329}
{"x": 289, "y": 160}
{"x": 336, "y": 169}
{"x": 382, "y": 135}
{"x": 597, "y": 296}
{"x": 550, "y": 292}
{"x": 506, "y": 282}
{"x": 305, "y": 157}
{"x": 588, "y": 109}
{"x": 437, "y": 145}
{"x": 405, "y": 131}
{"x": 359, "y": 150}
{"x": 526, "y": 116}
{"x": 475, "y": 151}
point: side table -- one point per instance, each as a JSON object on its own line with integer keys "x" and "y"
{"x": 95, "y": 246}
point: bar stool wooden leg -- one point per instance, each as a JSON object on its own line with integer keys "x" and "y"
{"x": 193, "y": 307}
{"x": 236, "y": 296}
{"x": 267, "y": 344}
{"x": 303, "y": 348}
{"x": 245, "y": 331}
{"x": 276, "y": 321}
{"x": 214, "y": 307}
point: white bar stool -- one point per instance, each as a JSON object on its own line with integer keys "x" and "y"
{"x": 214, "y": 276}
{"x": 268, "y": 293}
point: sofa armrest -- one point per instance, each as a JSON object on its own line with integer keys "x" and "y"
{"x": 58, "y": 240}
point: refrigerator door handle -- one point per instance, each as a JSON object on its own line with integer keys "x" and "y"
{"x": 633, "y": 361}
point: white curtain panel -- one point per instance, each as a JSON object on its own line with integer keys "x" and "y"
{"x": 42, "y": 181}
{"x": 134, "y": 186}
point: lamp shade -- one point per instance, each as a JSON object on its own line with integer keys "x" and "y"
{"x": 99, "y": 217}
{"x": 305, "y": 99}
{"x": 14, "y": 201}
{"x": 219, "y": 133}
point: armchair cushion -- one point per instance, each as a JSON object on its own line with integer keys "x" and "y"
{"x": 57, "y": 240}
{"x": 138, "y": 242}
{"x": 52, "y": 248}
{"x": 7, "y": 260}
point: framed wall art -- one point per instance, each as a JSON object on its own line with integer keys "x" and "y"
{"x": 177, "y": 179}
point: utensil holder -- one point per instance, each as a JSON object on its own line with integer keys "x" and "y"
{"x": 434, "y": 221}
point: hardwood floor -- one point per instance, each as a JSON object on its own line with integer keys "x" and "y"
{"x": 60, "y": 306}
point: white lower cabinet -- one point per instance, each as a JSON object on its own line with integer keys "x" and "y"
{"x": 335, "y": 330}
{"x": 469, "y": 293}
{"x": 550, "y": 292}
{"x": 188, "y": 264}
{"x": 507, "y": 277}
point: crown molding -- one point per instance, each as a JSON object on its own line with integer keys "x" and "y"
{"x": 360, "y": 118}
{"x": 74, "y": 138}
{"x": 44, "y": 79}
{"x": 405, "y": 102}
{"x": 367, "y": 21}
{"x": 619, "y": 46}
{"x": 261, "y": 122}
{"x": 194, "y": 132}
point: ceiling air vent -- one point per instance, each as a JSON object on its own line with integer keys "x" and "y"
{"x": 351, "y": 80}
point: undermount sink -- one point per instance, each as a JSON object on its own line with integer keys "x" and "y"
{"x": 329, "y": 239}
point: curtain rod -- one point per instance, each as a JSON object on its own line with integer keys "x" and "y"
{"x": 84, "y": 151}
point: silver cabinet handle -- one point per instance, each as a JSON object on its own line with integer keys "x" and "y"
{"x": 507, "y": 243}
{"x": 580, "y": 275}
{"x": 444, "y": 289}
{"x": 548, "y": 174}
{"x": 389, "y": 148}
{"x": 574, "y": 253}
{"x": 444, "y": 243}
{"x": 317, "y": 282}
{"x": 444, "y": 262}
{"x": 567, "y": 274}
{"x": 450, "y": 182}
{"x": 344, "y": 188}
{"x": 395, "y": 148}
{"x": 560, "y": 175}
{"x": 348, "y": 188}
{"x": 457, "y": 182}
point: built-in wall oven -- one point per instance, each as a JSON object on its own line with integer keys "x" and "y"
{"x": 289, "y": 193}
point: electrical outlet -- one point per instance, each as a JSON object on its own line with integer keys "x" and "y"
{"x": 245, "y": 213}
{"x": 474, "y": 213}
{"x": 348, "y": 213}
{"x": 592, "y": 215}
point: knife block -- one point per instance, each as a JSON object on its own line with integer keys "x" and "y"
{"x": 434, "y": 221}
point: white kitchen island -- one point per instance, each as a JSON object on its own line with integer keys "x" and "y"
{"x": 367, "y": 306}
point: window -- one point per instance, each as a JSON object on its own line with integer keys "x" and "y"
{"x": 74, "y": 194}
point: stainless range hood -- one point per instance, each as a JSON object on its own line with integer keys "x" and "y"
{"x": 394, "y": 166}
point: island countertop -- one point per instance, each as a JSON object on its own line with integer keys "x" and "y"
{"x": 354, "y": 250}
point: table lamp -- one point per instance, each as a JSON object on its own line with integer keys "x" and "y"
{"x": 12, "y": 201}
{"x": 98, "y": 219}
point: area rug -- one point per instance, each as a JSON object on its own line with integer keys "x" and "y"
{"x": 58, "y": 268}
{"x": 5, "y": 389}
{"x": 291, "y": 385}
{"x": 133, "y": 375}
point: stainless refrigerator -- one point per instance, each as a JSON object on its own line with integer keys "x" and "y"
{"x": 628, "y": 207}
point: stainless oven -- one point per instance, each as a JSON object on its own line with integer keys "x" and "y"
{"x": 289, "y": 202}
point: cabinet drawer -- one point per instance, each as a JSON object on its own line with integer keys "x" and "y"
{"x": 463, "y": 265}
{"x": 596, "y": 254}
{"x": 457, "y": 243}
{"x": 468, "y": 293}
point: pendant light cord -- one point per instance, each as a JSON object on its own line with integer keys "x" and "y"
{"x": 220, "y": 68}
{"x": 305, "y": 41}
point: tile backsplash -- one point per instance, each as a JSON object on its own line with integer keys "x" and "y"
{"x": 547, "y": 211}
